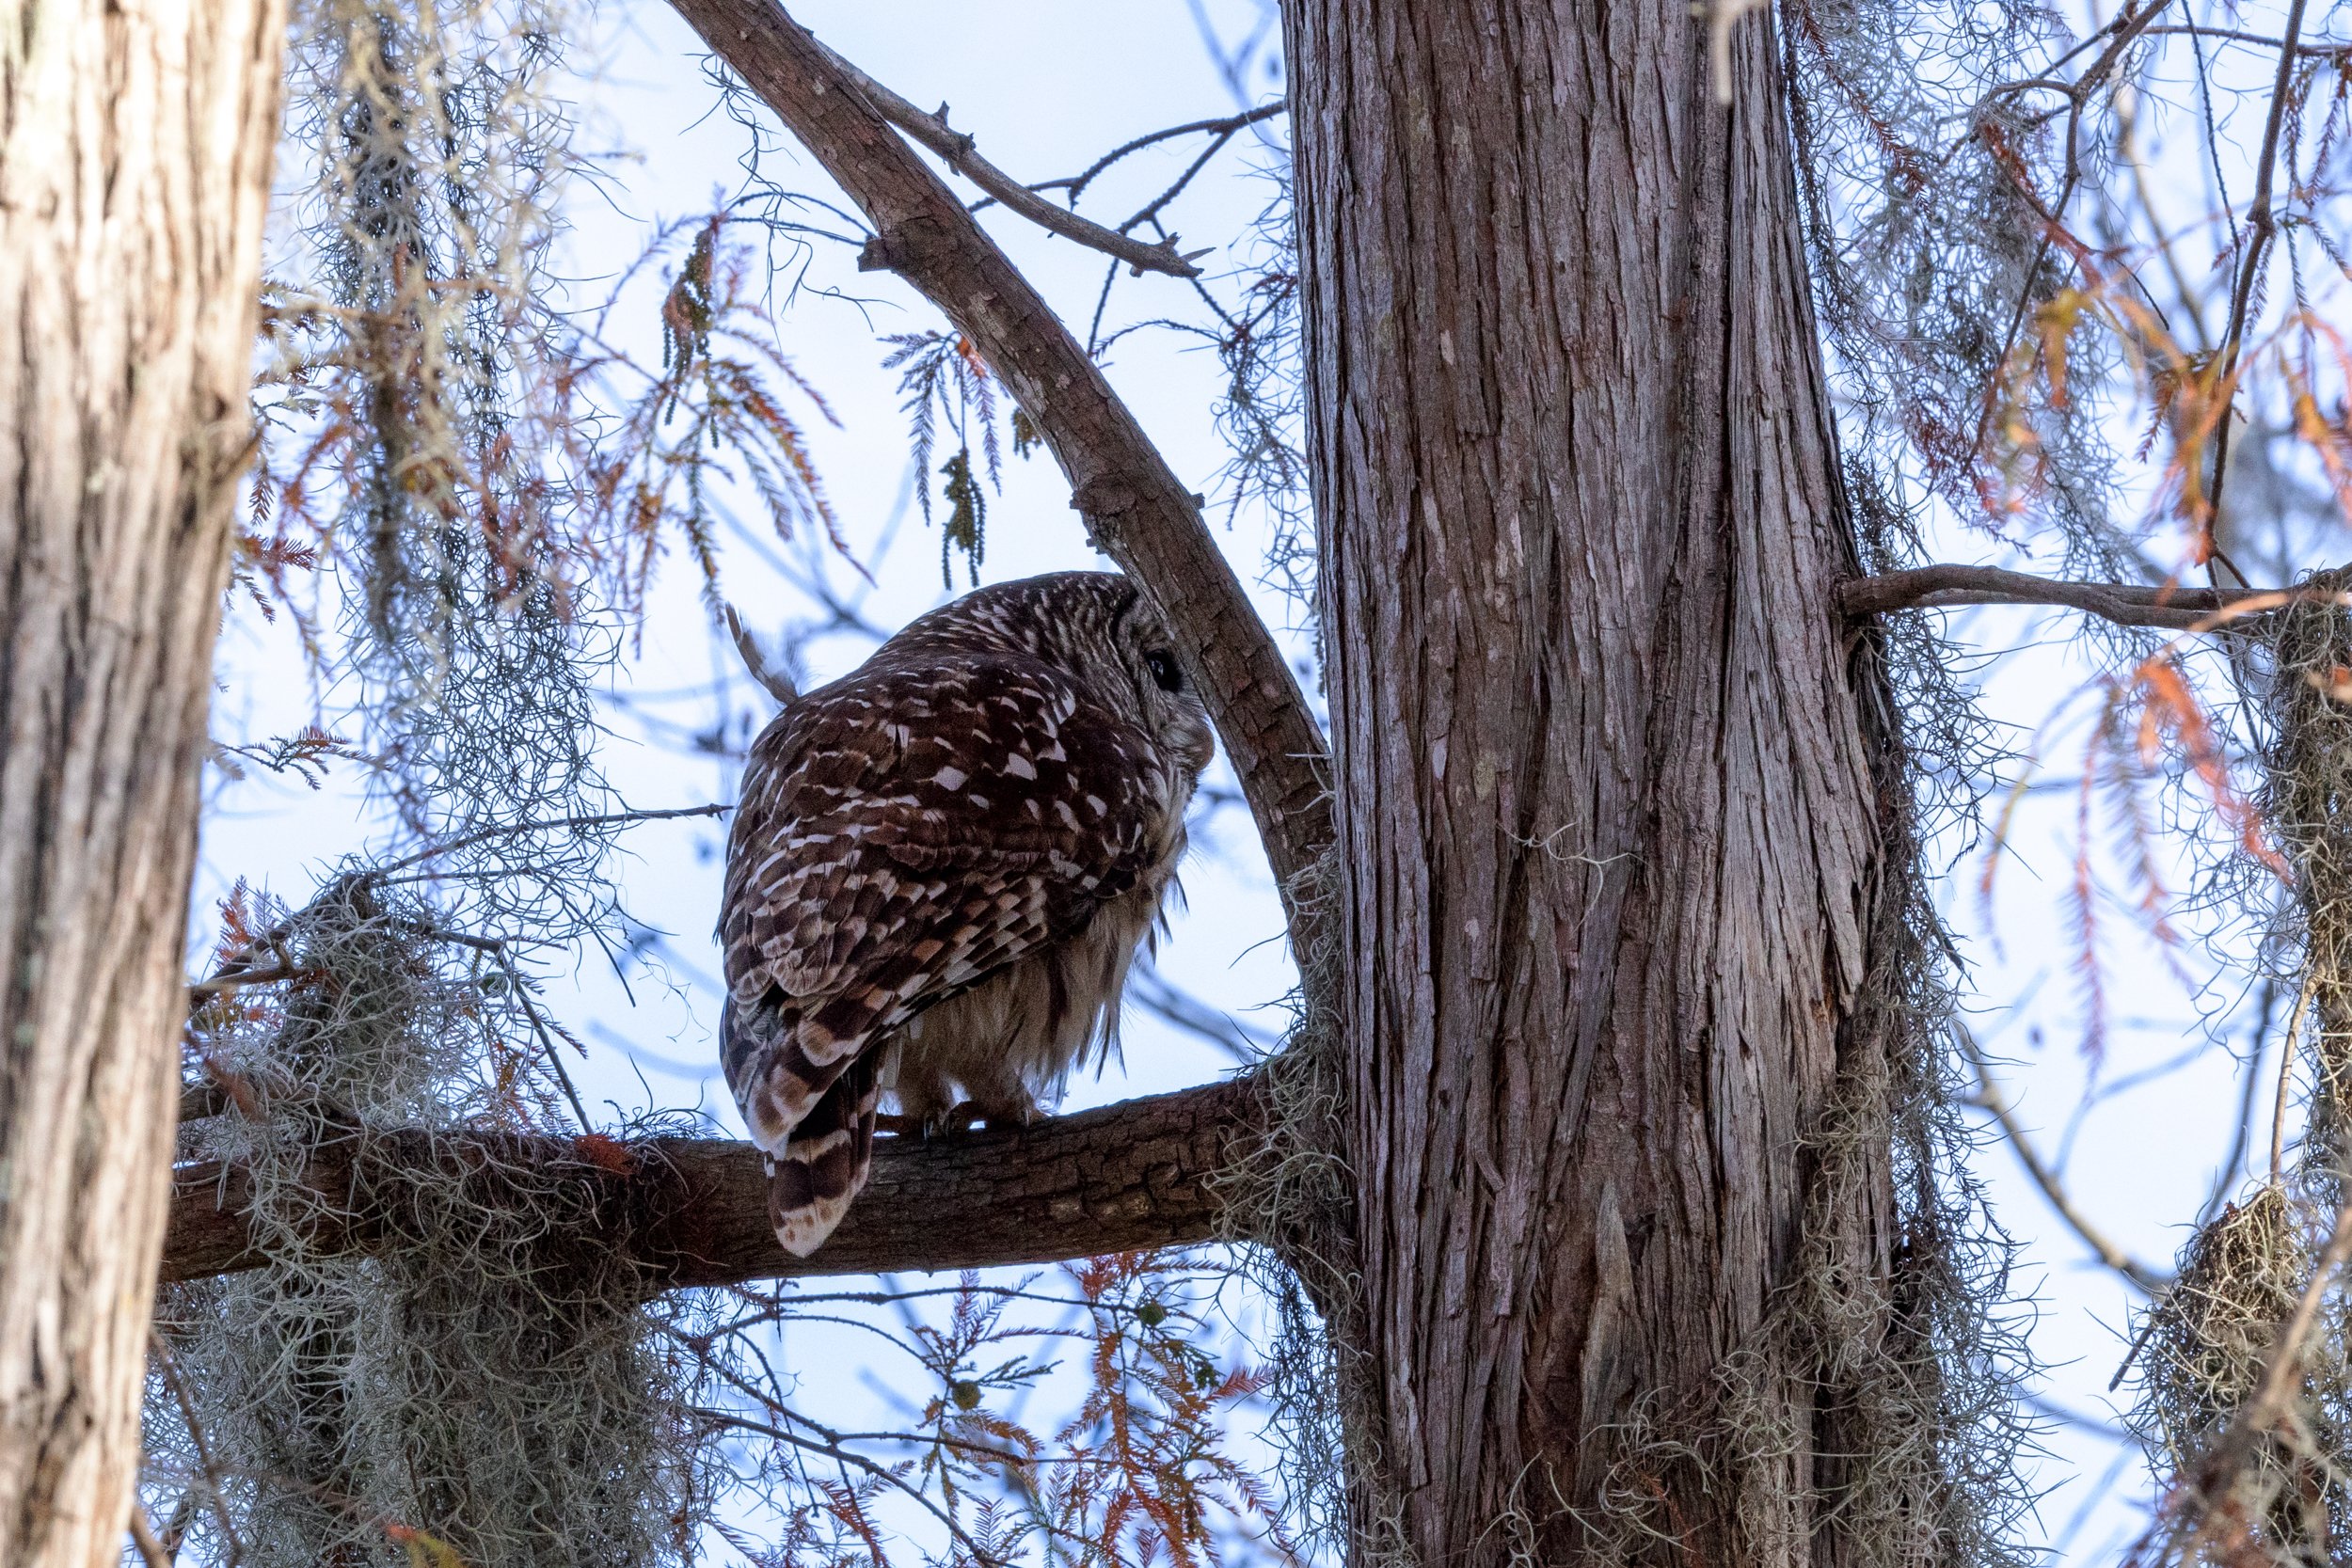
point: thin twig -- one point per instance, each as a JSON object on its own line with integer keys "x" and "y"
{"x": 1990, "y": 1095}
{"x": 223, "y": 983}
{"x": 840, "y": 1455}
{"x": 1150, "y": 212}
{"x": 2233, "y": 1166}
{"x": 2127, "y": 25}
{"x": 176, "y": 1527}
{"x": 2329, "y": 51}
{"x": 602, "y": 819}
{"x": 2265, "y": 223}
{"x": 2286, "y": 1067}
{"x": 957, "y": 148}
{"x": 1076, "y": 185}
{"x": 2042, "y": 1404}
{"x": 2127, "y": 143}
{"x": 2127, "y": 28}
{"x": 196, "y": 1438}
{"x": 538, "y": 1024}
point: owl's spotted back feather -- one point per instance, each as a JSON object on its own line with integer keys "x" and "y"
{"x": 939, "y": 868}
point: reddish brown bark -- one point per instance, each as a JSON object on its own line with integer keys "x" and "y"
{"x": 1605, "y": 810}
{"x": 134, "y": 155}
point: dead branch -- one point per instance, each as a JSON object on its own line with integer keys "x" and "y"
{"x": 2286, "y": 1075}
{"x": 214, "y": 1491}
{"x": 1221, "y": 128}
{"x": 2125, "y": 604}
{"x": 1991, "y": 1097}
{"x": 694, "y": 1211}
{"x": 570, "y": 824}
{"x": 2262, "y": 222}
{"x": 1137, "y": 510}
{"x": 956, "y": 146}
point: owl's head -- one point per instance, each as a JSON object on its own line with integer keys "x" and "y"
{"x": 1143, "y": 654}
{"x": 1098, "y": 628}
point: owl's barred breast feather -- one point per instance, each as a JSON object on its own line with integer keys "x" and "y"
{"x": 940, "y": 869}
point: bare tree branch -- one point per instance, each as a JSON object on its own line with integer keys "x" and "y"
{"x": 2286, "y": 1076}
{"x": 956, "y": 146}
{"x": 1991, "y": 1097}
{"x": 573, "y": 824}
{"x": 1136, "y": 509}
{"x": 1221, "y": 128}
{"x": 2262, "y": 222}
{"x": 2126, "y": 604}
{"x": 215, "y": 1493}
{"x": 694, "y": 1211}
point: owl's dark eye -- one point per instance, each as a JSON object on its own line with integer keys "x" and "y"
{"x": 1164, "y": 669}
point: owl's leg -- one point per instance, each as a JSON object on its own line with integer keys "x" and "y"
{"x": 998, "y": 1098}
{"x": 927, "y": 1104}
{"x": 916, "y": 1082}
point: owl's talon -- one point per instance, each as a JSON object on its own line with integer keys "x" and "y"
{"x": 996, "y": 1118}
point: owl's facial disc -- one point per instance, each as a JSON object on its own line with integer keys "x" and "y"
{"x": 1168, "y": 706}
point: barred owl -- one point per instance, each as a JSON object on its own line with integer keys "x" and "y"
{"x": 940, "y": 869}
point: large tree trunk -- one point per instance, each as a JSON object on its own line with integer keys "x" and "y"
{"x": 1607, "y": 824}
{"x": 134, "y": 148}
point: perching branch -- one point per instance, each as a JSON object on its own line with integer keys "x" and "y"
{"x": 2125, "y": 604}
{"x": 1137, "y": 510}
{"x": 694, "y": 1211}
{"x": 956, "y": 146}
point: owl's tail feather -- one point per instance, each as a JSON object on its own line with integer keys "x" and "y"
{"x": 825, "y": 1161}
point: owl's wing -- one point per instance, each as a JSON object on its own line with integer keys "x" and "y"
{"x": 901, "y": 836}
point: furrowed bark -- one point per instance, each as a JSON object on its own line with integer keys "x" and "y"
{"x": 1136, "y": 509}
{"x": 1607, "y": 820}
{"x": 134, "y": 156}
{"x": 694, "y": 1212}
